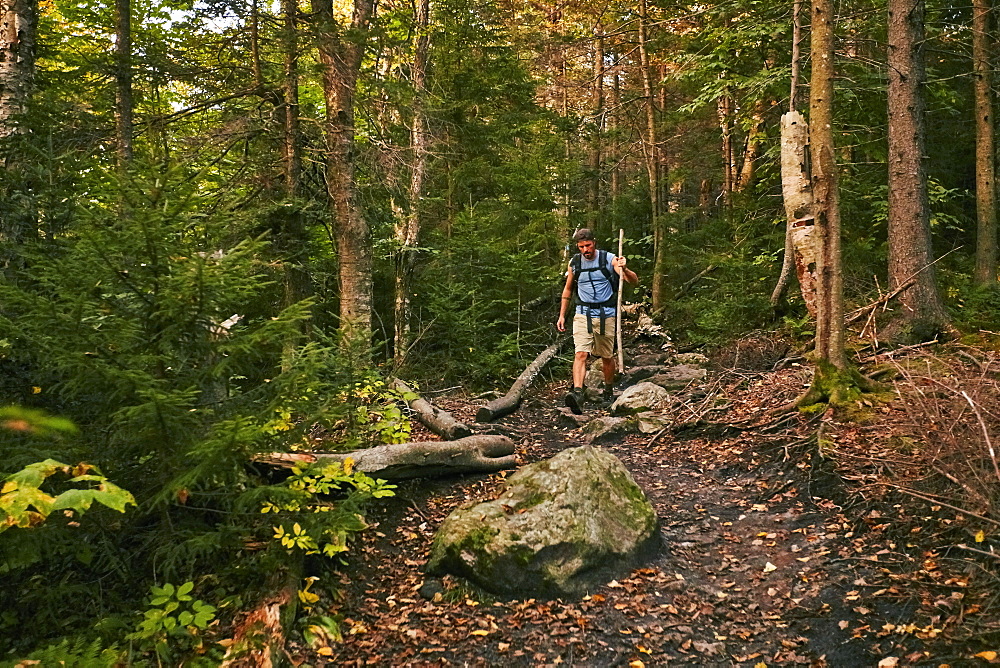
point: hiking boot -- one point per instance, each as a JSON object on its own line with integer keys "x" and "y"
{"x": 574, "y": 399}
{"x": 608, "y": 396}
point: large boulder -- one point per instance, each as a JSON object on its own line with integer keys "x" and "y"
{"x": 640, "y": 398}
{"x": 563, "y": 527}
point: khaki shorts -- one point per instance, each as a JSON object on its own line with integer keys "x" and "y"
{"x": 594, "y": 343}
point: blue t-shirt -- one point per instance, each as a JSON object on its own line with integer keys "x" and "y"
{"x": 594, "y": 287}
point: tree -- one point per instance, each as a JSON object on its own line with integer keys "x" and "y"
{"x": 986, "y": 207}
{"x": 922, "y": 314}
{"x": 651, "y": 151}
{"x": 833, "y": 381}
{"x": 830, "y": 290}
{"x": 340, "y": 54}
{"x": 408, "y": 226}
{"x": 123, "y": 80}
{"x": 18, "y": 27}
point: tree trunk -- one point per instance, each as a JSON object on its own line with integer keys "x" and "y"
{"x": 597, "y": 136}
{"x": 408, "y": 228}
{"x": 725, "y": 112}
{"x": 796, "y": 189}
{"x": 652, "y": 162}
{"x": 986, "y": 208}
{"x": 510, "y": 401}
{"x": 291, "y": 151}
{"x": 922, "y": 313}
{"x": 18, "y": 28}
{"x": 123, "y": 80}
{"x": 788, "y": 261}
{"x": 291, "y": 241}
{"x": 613, "y": 127}
{"x": 830, "y": 295}
{"x": 748, "y": 170}
{"x": 473, "y": 454}
{"x": 340, "y": 54}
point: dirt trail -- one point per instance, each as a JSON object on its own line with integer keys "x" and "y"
{"x": 760, "y": 566}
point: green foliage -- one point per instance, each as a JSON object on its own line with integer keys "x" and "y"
{"x": 175, "y": 625}
{"x": 24, "y": 504}
{"x": 976, "y": 307}
{"x": 75, "y": 653}
{"x": 315, "y": 525}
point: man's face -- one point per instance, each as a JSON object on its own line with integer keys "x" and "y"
{"x": 587, "y": 248}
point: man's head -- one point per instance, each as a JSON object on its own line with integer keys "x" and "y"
{"x": 585, "y": 243}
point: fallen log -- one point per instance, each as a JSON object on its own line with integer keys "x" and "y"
{"x": 399, "y": 461}
{"x": 509, "y": 402}
{"x": 440, "y": 422}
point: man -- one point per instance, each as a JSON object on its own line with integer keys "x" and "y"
{"x": 595, "y": 316}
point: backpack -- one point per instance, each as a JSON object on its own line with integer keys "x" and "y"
{"x": 604, "y": 266}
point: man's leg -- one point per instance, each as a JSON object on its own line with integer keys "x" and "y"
{"x": 580, "y": 369}
{"x": 608, "y": 366}
{"x": 583, "y": 342}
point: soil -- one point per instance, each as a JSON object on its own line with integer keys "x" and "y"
{"x": 786, "y": 541}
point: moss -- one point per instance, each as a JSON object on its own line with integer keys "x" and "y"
{"x": 840, "y": 388}
{"x": 534, "y": 498}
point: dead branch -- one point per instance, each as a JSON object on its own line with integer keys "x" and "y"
{"x": 439, "y": 421}
{"x": 509, "y": 402}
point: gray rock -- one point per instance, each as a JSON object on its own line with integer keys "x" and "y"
{"x": 651, "y": 422}
{"x": 606, "y": 428}
{"x": 563, "y": 527}
{"x": 678, "y": 376}
{"x": 694, "y": 359}
{"x": 650, "y": 359}
{"x": 640, "y": 373}
{"x": 568, "y": 418}
{"x": 640, "y": 398}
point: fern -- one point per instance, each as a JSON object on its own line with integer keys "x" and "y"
{"x": 73, "y": 653}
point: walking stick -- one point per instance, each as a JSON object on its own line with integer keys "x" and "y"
{"x": 618, "y": 313}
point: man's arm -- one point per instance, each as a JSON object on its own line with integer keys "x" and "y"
{"x": 630, "y": 276}
{"x": 567, "y": 295}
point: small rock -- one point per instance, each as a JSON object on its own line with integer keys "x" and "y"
{"x": 640, "y": 398}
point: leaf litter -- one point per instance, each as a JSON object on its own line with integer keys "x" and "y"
{"x": 785, "y": 543}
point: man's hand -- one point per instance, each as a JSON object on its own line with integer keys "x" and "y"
{"x": 619, "y": 262}
{"x": 561, "y": 323}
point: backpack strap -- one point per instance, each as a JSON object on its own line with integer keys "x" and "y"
{"x": 604, "y": 266}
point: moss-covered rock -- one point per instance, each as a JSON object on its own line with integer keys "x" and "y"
{"x": 562, "y": 527}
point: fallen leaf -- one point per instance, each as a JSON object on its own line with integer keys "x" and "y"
{"x": 989, "y": 655}
{"x": 889, "y": 662}
{"x": 768, "y": 567}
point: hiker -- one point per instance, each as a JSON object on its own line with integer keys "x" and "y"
{"x": 592, "y": 278}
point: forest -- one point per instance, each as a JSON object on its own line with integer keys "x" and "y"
{"x": 228, "y": 228}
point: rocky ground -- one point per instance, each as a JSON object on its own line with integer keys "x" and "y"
{"x": 788, "y": 539}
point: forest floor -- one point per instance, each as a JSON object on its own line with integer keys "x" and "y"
{"x": 788, "y": 539}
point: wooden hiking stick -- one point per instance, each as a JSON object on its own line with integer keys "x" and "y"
{"x": 618, "y": 313}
